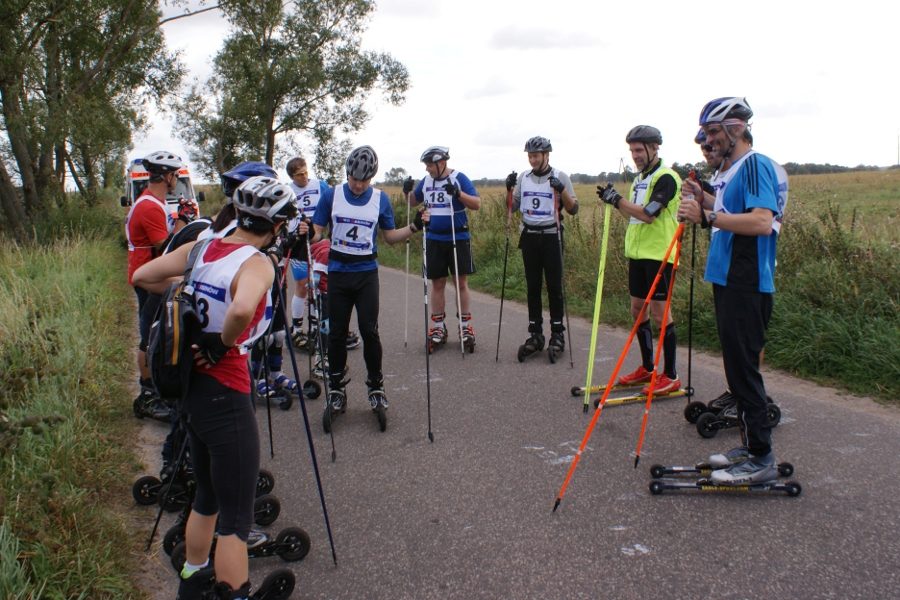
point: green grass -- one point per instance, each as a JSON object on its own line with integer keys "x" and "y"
{"x": 66, "y": 435}
{"x": 837, "y": 305}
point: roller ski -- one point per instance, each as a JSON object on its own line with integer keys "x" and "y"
{"x": 281, "y": 396}
{"x": 722, "y": 413}
{"x": 378, "y": 402}
{"x": 202, "y": 585}
{"x": 292, "y": 544}
{"x": 532, "y": 345}
{"x": 663, "y": 389}
{"x": 437, "y": 334}
{"x": 335, "y": 404}
{"x": 556, "y": 347}
{"x": 733, "y": 474}
{"x": 468, "y": 333}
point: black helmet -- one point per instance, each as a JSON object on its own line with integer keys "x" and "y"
{"x": 644, "y": 134}
{"x": 362, "y": 164}
{"x": 538, "y": 144}
{"x": 162, "y": 162}
{"x": 234, "y": 177}
{"x": 720, "y": 109}
{"x": 265, "y": 197}
{"x": 435, "y": 153}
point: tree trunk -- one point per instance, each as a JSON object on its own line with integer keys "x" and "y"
{"x": 12, "y": 206}
{"x": 17, "y": 133}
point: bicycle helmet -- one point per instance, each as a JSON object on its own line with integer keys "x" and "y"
{"x": 435, "y": 154}
{"x": 234, "y": 177}
{"x": 700, "y": 137}
{"x": 162, "y": 162}
{"x": 538, "y": 144}
{"x": 362, "y": 163}
{"x": 644, "y": 134}
{"x": 720, "y": 109}
{"x": 265, "y": 198}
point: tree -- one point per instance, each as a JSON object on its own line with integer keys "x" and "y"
{"x": 395, "y": 176}
{"x": 287, "y": 70}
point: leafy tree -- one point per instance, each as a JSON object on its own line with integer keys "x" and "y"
{"x": 395, "y": 176}
{"x": 287, "y": 70}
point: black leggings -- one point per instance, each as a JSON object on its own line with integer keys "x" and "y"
{"x": 345, "y": 291}
{"x": 224, "y": 443}
{"x": 542, "y": 260}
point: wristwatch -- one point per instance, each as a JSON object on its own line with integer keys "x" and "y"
{"x": 711, "y": 218}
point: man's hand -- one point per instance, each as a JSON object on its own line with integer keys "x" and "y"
{"x": 511, "y": 180}
{"x": 187, "y": 210}
{"x": 556, "y": 184}
{"x": 609, "y": 195}
{"x": 408, "y": 185}
{"x": 452, "y": 189}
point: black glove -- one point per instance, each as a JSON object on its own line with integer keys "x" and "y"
{"x": 511, "y": 180}
{"x": 609, "y": 195}
{"x": 452, "y": 189}
{"x": 417, "y": 221}
{"x": 556, "y": 184}
{"x": 210, "y": 348}
{"x": 408, "y": 184}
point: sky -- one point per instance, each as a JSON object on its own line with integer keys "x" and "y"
{"x": 487, "y": 75}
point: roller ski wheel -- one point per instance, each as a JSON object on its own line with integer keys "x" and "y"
{"x": 178, "y": 556}
{"x": 708, "y": 425}
{"x": 145, "y": 490}
{"x": 577, "y": 391}
{"x": 773, "y": 414}
{"x": 292, "y": 544}
{"x": 312, "y": 389}
{"x": 266, "y": 510}
{"x": 378, "y": 402}
{"x": 703, "y": 469}
{"x": 693, "y": 411}
{"x": 335, "y": 404}
{"x": 659, "y": 486}
{"x": 532, "y": 345}
{"x": 278, "y": 585}
{"x": 437, "y": 337}
{"x": 556, "y": 347}
{"x": 285, "y": 402}
{"x": 175, "y": 498}
{"x": 173, "y": 537}
{"x": 265, "y": 482}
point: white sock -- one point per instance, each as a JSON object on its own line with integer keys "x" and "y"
{"x": 298, "y": 307}
{"x": 188, "y": 569}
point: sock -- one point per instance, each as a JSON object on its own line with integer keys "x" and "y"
{"x": 645, "y": 342}
{"x": 670, "y": 343}
{"x": 437, "y": 319}
{"x": 188, "y": 569}
{"x": 298, "y": 307}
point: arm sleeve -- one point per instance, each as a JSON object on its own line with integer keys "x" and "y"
{"x": 663, "y": 191}
{"x": 419, "y": 192}
{"x": 322, "y": 216}
{"x": 386, "y": 213}
{"x": 761, "y": 185}
{"x": 466, "y": 185}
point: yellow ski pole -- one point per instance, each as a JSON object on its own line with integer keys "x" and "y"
{"x": 598, "y": 299}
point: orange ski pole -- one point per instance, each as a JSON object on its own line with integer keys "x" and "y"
{"x": 616, "y": 369}
{"x": 659, "y": 346}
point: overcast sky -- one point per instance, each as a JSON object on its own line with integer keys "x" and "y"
{"x": 486, "y": 75}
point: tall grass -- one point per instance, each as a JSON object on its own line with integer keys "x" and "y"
{"x": 836, "y": 315}
{"x": 65, "y": 449}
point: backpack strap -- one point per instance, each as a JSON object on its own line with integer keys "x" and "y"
{"x": 193, "y": 256}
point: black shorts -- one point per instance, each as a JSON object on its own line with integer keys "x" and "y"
{"x": 440, "y": 258}
{"x": 148, "y": 303}
{"x": 640, "y": 277}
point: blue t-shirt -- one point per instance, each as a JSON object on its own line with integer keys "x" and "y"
{"x": 744, "y": 262}
{"x": 322, "y": 218}
{"x": 439, "y": 227}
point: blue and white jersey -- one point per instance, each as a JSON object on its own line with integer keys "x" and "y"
{"x": 307, "y": 199}
{"x": 537, "y": 203}
{"x": 745, "y": 262}
{"x": 444, "y": 208}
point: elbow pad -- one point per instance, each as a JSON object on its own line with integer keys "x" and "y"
{"x": 653, "y": 209}
{"x": 574, "y": 210}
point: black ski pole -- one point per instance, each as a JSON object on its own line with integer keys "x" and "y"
{"x": 690, "y": 388}
{"x": 309, "y": 439}
{"x": 509, "y": 193}
{"x": 320, "y": 341}
{"x": 179, "y": 463}
{"x": 562, "y": 270}
{"x": 427, "y": 338}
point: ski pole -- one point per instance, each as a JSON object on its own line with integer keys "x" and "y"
{"x": 309, "y": 439}
{"x": 406, "y": 281}
{"x": 320, "y": 342}
{"x": 179, "y": 463}
{"x": 659, "y": 347}
{"x": 427, "y": 339}
{"x": 557, "y": 207}
{"x": 509, "y": 194}
{"x": 459, "y": 311}
{"x": 615, "y": 373}
{"x": 597, "y": 302}
{"x": 690, "y": 388}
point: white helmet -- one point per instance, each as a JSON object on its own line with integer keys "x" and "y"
{"x": 265, "y": 197}
{"x": 162, "y": 162}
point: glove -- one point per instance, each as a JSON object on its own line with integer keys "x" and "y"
{"x": 417, "y": 221}
{"x": 210, "y": 348}
{"x": 408, "y": 185}
{"x": 511, "y": 180}
{"x": 452, "y": 189}
{"x": 187, "y": 210}
{"x": 556, "y": 184}
{"x": 609, "y": 195}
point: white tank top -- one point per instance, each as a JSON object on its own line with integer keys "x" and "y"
{"x": 537, "y": 203}
{"x": 353, "y": 227}
{"x": 211, "y": 282}
{"x": 438, "y": 201}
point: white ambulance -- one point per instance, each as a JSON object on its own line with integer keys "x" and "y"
{"x": 136, "y": 178}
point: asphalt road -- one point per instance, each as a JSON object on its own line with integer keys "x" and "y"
{"x": 469, "y": 515}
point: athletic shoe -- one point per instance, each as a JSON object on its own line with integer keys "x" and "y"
{"x": 640, "y": 375}
{"x": 283, "y": 382}
{"x": 663, "y": 385}
{"x": 352, "y": 340}
{"x": 726, "y": 459}
{"x": 265, "y": 389}
{"x": 299, "y": 339}
{"x": 756, "y": 469}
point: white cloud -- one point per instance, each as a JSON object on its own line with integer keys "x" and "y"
{"x": 539, "y": 38}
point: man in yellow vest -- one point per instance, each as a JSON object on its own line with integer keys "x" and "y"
{"x": 650, "y": 209}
